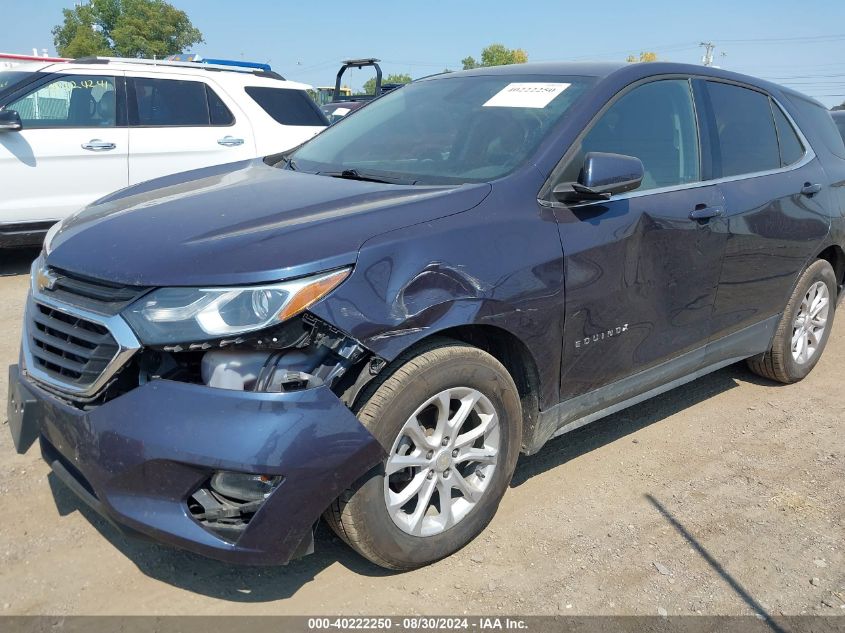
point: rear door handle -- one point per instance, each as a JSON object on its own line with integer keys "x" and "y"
{"x": 702, "y": 212}
{"x": 810, "y": 189}
{"x": 96, "y": 145}
{"x": 230, "y": 141}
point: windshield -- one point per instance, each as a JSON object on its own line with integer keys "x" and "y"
{"x": 9, "y": 78}
{"x": 446, "y": 130}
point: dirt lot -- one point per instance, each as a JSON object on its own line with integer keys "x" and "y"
{"x": 722, "y": 497}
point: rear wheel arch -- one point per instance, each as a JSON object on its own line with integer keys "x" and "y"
{"x": 818, "y": 281}
{"x": 835, "y": 256}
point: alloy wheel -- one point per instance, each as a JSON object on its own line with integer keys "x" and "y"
{"x": 810, "y": 323}
{"x": 442, "y": 461}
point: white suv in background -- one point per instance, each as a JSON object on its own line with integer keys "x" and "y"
{"x": 72, "y": 132}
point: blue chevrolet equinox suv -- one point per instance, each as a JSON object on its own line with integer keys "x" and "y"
{"x": 373, "y": 326}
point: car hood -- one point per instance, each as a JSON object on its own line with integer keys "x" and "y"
{"x": 241, "y": 223}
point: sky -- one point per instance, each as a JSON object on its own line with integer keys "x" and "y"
{"x": 796, "y": 43}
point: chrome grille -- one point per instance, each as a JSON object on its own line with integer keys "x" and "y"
{"x": 75, "y": 340}
{"x": 69, "y": 348}
{"x": 100, "y": 296}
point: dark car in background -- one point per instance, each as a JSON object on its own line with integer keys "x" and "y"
{"x": 372, "y": 327}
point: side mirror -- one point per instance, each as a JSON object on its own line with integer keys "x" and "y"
{"x": 10, "y": 121}
{"x": 602, "y": 176}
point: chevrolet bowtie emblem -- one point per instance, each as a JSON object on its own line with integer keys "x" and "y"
{"x": 45, "y": 279}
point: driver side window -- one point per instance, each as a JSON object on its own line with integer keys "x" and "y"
{"x": 77, "y": 101}
{"x": 654, "y": 122}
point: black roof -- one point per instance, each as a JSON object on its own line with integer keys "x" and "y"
{"x": 624, "y": 71}
{"x": 575, "y": 69}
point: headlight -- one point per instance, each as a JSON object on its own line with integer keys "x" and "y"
{"x": 184, "y": 315}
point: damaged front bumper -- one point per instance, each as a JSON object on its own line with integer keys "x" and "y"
{"x": 141, "y": 459}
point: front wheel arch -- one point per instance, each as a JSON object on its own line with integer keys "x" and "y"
{"x": 505, "y": 347}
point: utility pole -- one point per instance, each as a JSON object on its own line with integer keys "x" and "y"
{"x": 707, "y": 60}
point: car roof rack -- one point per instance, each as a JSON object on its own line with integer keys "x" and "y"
{"x": 253, "y": 68}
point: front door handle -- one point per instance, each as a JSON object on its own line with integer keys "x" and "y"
{"x": 96, "y": 145}
{"x": 230, "y": 141}
{"x": 702, "y": 212}
{"x": 810, "y": 190}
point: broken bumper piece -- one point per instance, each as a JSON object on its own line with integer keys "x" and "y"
{"x": 165, "y": 460}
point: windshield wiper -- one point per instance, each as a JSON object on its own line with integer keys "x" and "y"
{"x": 354, "y": 174}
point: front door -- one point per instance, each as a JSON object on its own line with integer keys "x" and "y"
{"x": 641, "y": 274}
{"x": 71, "y": 151}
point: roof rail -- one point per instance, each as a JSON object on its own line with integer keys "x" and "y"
{"x": 256, "y": 69}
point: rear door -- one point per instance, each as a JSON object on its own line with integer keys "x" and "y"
{"x": 762, "y": 165}
{"x": 72, "y": 148}
{"x": 178, "y": 124}
{"x": 640, "y": 273}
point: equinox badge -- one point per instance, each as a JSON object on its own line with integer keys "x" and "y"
{"x": 595, "y": 338}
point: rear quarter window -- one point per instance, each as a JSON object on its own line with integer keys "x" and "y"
{"x": 840, "y": 123}
{"x": 288, "y": 106}
{"x": 820, "y": 120}
{"x": 791, "y": 149}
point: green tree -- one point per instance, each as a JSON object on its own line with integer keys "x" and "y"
{"x": 496, "y": 55}
{"x": 125, "y": 28}
{"x": 393, "y": 78}
{"x": 645, "y": 56}
{"x": 469, "y": 63}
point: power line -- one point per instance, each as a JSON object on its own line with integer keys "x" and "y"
{"x": 808, "y": 38}
{"x": 425, "y": 64}
{"x": 662, "y": 49}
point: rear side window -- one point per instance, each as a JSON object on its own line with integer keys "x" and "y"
{"x": 748, "y": 142}
{"x": 655, "y": 123}
{"x": 791, "y": 149}
{"x": 822, "y": 123}
{"x": 287, "y": 106}
{"x": 175, "y": 103}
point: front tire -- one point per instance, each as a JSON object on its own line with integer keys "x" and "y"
{"x": 450, "y": 419}
{"x": 804, "y": 327}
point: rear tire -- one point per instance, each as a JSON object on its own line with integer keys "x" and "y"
{"x": 440, "y": 386}
{"x": 804, "y": 327}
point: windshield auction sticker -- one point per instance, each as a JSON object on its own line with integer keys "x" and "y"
{"x": 526, "y": 95}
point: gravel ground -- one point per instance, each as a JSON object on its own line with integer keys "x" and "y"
{"x": 724, "y": 496}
